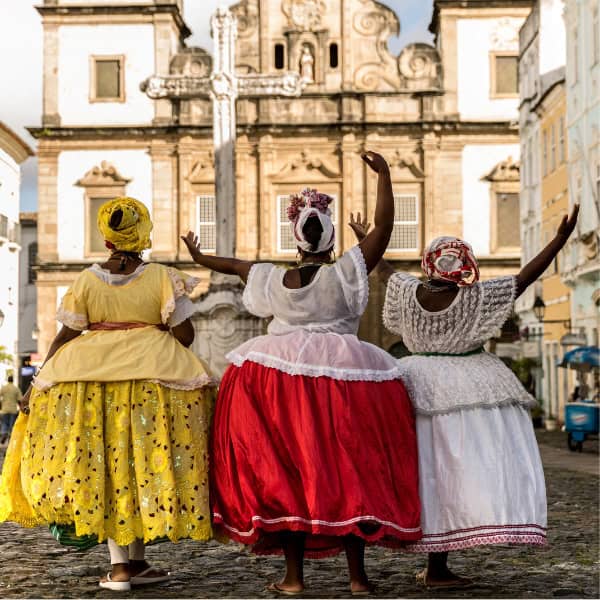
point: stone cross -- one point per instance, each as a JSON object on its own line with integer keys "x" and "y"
{"x": 224, "y": 86}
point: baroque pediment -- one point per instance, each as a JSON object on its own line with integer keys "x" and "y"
{"x": 203, "y": 170}
{"x": 306, "y": 168}
{"x": 404, "y": 165}
{"x": 105, "y": 175}
{"x": 505, "y": 171}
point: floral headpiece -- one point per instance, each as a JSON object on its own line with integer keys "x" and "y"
{"x": 309, "y": 203}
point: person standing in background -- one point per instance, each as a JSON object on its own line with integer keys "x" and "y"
{"x": 10, "y": 396}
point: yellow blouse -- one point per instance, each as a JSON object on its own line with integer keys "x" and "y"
{"x": 154, "y": 294}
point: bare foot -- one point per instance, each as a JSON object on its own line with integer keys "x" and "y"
{"x": 362, "y": 587}
{"x": 287, "y": 589}
{"x": 442, "y": 578}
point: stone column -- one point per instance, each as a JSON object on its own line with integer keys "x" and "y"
{"x": 50, "y": 112}
{"x": 164, "y": 210}
{"x": 47, "y": 203}
{"x": 163, "y": 111}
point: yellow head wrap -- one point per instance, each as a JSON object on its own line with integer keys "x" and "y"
{"x": 132, "y": 234}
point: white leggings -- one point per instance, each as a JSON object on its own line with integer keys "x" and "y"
{"x": 123, "y": 554}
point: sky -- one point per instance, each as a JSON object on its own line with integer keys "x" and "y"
{"x": 21, "y": 60}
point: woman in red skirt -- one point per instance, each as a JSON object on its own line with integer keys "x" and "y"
{"x": 314, "y": 447}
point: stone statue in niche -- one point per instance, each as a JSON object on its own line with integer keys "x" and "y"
{"x": 307, "y": 65}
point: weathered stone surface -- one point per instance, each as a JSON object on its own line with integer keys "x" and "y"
{"x": 34, "y": 565}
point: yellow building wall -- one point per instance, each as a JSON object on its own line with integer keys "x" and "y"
{"x": 558, "y": 382}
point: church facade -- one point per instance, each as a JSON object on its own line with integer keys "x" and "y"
{"x": 445, "y": 116}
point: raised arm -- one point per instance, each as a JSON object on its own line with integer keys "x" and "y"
{"x": 374, "y": 244}
{"x": 227, "y": 266}
{"x": 361, "y": 227}
{"x": 534, "y": 268}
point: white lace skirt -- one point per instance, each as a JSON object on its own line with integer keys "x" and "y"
{"x": 319, "y": 354}
{"x": 480, "y": 480}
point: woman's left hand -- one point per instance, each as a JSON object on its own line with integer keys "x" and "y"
{"x": 191, "y": 241}
{"x": 567, "y": 225}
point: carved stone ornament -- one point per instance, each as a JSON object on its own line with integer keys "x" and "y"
{"x": 288, "y": 84}
{"x": 505, "y": 35}
{"x": 203, "y": 170}
{"x": 176, "y": 86}
{"x": 246, "y": 13}
{"x": 301, "y": 167}
{"x": 506, "y": 171}
{"x": 103, "y": 176}
{"x": 420, "y": 67}
{"x": 304, "y": 15}
{"x": 194, "y": 62}
{"x": 406, "y": 160}
{"x": 589, "y": 245}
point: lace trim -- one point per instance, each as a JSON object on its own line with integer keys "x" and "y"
{"x": 526, "y": 403}
{"x": 180, "y": 288}
{"x": 480, "y": 536}
{"x": 247, "y": 294}
{"x": 190, "y": 384}
{"x": 363, "y": 276}
{"x": 294, "y": 368}
{"x": 72, "y": 320}
{"x": 116, "y": 279}
{"x": 184, "y": 309}
{"x": 392, "y": 306}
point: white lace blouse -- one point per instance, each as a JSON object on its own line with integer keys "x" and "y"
{"x": 313, "y": 330}
{"x": 448, "y": 381}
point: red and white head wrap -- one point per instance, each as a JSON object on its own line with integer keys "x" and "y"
{"x": 450, "y": 259}
{"x": 311, "y": 203}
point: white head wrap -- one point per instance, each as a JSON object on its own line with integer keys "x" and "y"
{"x": 311, "y": 203}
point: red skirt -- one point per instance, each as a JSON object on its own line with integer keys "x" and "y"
{"x": 313, "y": 454}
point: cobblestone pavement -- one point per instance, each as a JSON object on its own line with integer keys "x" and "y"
{"x": 32, "y": 564}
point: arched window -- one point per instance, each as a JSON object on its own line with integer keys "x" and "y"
{"x": 334, "y": 59}
{"x": 279, "y": 56}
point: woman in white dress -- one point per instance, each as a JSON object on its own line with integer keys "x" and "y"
{"x": 480, "y": 475}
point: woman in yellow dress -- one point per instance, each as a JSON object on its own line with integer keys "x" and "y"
{"x": 113, "y": 439}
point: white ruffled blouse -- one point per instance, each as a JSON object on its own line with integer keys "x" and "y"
{"x": 313, "y": 331}
{"x": 447, "y": 381}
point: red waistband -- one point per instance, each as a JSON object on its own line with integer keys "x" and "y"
{"x": 115, "y": 326}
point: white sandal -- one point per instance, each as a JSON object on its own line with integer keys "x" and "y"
{"x": 115, "y": 586}
{"x": 140, "y": 578}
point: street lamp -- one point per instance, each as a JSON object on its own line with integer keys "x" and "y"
{"x": 539, "y": 309}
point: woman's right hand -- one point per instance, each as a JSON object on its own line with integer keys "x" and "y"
{"x": 24, "y": 402}
{"x": 376, "y": 162}
{"x": 359, "y": 226}
{"x": 191, "y": 241}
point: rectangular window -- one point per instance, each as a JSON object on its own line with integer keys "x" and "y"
{"x": 107, "y": 80}
{"x": 206, "y": 223}
{"x": 405, "y": 235}
{"x": 504, "y": 76}
{"x": 553, "y": 147}
{"x": 3, "y": 226}
{"x": 545, "y": 154}
{"x": 286, "y": 243}
{"x": 508, "y": 225}
{"x": 561, "y": 140}
{"x": 95, "y": 241}
{"x": 595, "y": 36}
{"x": 32, "y": 252}
{"x": 575, "y": 55}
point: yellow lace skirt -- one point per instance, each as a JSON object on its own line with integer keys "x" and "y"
{"x": 120, "y": 460}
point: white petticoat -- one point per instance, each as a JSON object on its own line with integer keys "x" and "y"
{"x": 441, "y": 384}
{"x": 316, "y": 354}
{"x": 480, "y": 480}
